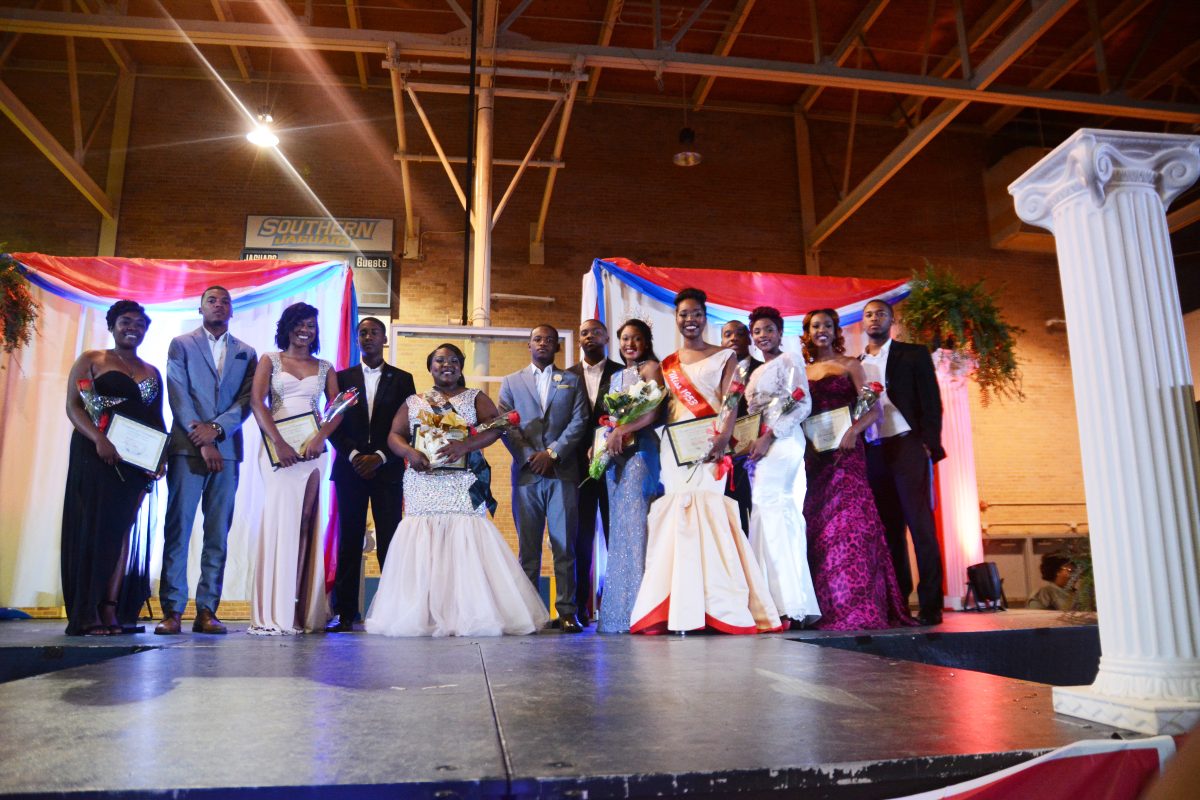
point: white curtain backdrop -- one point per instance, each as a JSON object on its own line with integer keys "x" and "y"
{"x": 35, "y": 434}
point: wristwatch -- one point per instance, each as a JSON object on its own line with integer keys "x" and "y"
{"x": 553, "y": 455}
{"x": 220, "y": 431}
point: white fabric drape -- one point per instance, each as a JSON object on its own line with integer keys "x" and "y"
{"x": 35, "y": 435}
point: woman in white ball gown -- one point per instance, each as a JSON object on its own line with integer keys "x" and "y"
{"x": 449, "y": 572}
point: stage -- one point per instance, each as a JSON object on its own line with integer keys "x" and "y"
{"x": 551, "y": 715}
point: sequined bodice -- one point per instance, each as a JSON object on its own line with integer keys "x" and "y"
{"x": 440, "y": 491}
{"x": 291, "y": 395}
{"x": 137, "y": 400}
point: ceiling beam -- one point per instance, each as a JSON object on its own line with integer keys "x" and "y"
{"x": 115, "y": 48}
{"x": 606, "y": 31}
{"x": 1009, "y": 50}
{"x": 1180, "y": 218}
{"x": 1116, "y": 19}
{"x": 203, "y": 32}
{"x": 241, "y": 56}
{"x": 862, "y": 23}
{"x": 724, "y": 46}
{"x": 31, "y": 126}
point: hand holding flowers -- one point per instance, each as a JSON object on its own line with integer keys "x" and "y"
{"x": 624, "y": 407}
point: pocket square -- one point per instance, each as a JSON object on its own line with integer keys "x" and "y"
{"x": 240, "y": 357}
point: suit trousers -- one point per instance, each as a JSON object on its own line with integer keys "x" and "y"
{"x": 190, "y": 484}
{"x": 548, "y": 504}
{"x": 901, "y": 480}
{"x": 353, "y": 493}
{"x": 740, "y": 493}
{"x": 593, "y": 497}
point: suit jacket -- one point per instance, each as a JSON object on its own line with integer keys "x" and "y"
{"x": 196, "y": 393}
{"x": 598, "y": 408}
{"x": 563, "y": 426}
{"x": 367, "y": 436}
{"x": 912, "y": 388}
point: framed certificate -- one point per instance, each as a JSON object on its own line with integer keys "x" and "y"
{"x": 296, "y": 431}
{"x": 826, "y": 430}
{"x": 430, "y": 440}
{"x": 691, "y": 439}
{"x": 137, "y": 444}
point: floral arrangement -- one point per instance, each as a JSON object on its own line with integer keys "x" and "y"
{"x": 97, "y": 405}
{"x": 623, "y": 408}
{"x": 18, "y": 308}
{"x": 867, "y": 398}
{"x": 942, "y": 313}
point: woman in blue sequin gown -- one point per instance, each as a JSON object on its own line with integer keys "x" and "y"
{"x": 105, "y": 568}
{"x": 449, "y": 571}
{"x": 633, "y": 483}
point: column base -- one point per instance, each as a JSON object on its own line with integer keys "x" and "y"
{"x": 1154, "y": 717}
{"x": 952, "y": 603}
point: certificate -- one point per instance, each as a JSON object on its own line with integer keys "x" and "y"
{"x": 296, "y": 431}
{"x": 692, "y": 439}
{"x": 137, "y": 444}
{"x": 826, "y": 430}
{"x": 429, "y": 441}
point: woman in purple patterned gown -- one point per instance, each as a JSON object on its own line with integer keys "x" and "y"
{"x": 851, "y": 568}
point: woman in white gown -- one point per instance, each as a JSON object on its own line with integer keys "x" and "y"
{"x": 288, "y": 594}
{"x": 449, "y": 572}
{"x": 700, "y": 572}
{"x": 778, "y": 536}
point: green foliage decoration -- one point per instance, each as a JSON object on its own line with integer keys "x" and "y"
{"x": 18, "y": 308}
{"x": 940, "y": 312}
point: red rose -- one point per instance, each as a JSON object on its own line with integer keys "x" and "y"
{"x": 797, "y": 394}
{"x": 514, "y": 418}
{"x": 85, "y": 385}
{"x": 876, "y": 387}
{"x": 737, "y": 388}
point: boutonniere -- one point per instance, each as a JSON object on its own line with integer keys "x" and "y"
{"x": 557, "y": 378}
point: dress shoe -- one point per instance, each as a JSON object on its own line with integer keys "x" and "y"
{"x": 207, "y": 622}
{"x": 340, "y": 625}
{"x": 930, "y": 618}
{"x": 170, "y": 626}
{"x": 570, "y": 625}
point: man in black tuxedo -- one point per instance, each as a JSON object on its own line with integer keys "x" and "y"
{"x": 735, "y": 336}
{"x": 901, "y": 448}
{"x": 364, "y": 470}
{"x": 596, "y": 371}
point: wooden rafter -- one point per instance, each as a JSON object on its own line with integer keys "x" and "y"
{"x": 1008, "y": 51}
{"x": 724, "y": 46}
{"x": 241, "y": 56}
{"x": 1180, "y": 218}
{"x": 862, "y": 23}
{"x": 31, "y": 126}
{"x": 115, "y": 48}
{"x": 360, "y": 60}
{"x": 606, "y": 31}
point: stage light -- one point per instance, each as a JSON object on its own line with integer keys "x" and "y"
{"x": 262, "y": 135}
{"x": 688, "y": 155}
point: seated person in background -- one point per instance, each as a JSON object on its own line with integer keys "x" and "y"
{"x": 1056, "y": 596}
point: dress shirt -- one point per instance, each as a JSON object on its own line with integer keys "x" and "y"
{"x": 371, "y": 382}
{"x": 592, "y": 373}
{"x": 892, "y": 423}
{"x": 217, "y": 345}
{"x": 543, "y": 377}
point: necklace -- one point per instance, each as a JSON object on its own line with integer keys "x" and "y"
{"x": 129, "y": 368}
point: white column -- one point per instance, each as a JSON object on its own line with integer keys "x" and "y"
{"x": 1103, "y": 194}
{"x": 958, "y": 490}
{"x": 480, "y": 313}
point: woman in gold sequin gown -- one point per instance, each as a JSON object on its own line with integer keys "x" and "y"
{"x": 449, "y": 571}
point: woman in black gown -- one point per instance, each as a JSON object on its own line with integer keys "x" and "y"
{"x": 105, "y": 570}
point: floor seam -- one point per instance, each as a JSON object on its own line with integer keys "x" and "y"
{"x": 507, "y": 761}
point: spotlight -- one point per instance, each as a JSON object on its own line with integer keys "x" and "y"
{"x": 688, "y": 155}
{"x": 262, "y": 135}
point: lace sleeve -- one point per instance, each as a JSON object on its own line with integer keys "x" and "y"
{"x": 788, "y": 377}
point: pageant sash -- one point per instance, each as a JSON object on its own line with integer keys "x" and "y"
{"x": 682, "y": 387}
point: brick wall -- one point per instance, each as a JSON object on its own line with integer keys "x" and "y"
{"x": 192, "y": 179}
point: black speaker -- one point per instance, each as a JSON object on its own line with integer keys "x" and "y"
{"x": 985, "y": 588}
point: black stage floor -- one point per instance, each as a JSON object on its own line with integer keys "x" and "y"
{"x": 551, "y": 715}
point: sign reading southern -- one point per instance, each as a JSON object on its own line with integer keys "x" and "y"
{"x": 319, "y": 234}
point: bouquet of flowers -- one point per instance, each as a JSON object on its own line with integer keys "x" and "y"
{"x": 787, "y": 402}
{"x": 729, "y": 407}
{"x": 97, "y": 405}
{"x": 338, "y": 405}
{"x": 867, "y": 398}
{"x": 504, "y": 421}
{"x": 624, "y": 407}
{"x": 436, "y": 431}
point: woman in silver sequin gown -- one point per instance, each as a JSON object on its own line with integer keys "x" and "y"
{"x": 632, "y": 483}
{"x": 449, "y": 571}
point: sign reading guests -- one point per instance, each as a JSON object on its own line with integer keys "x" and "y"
{"x": 369, "y": 240}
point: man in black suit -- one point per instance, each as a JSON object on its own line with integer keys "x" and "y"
{"x": 364, "y": 470}
{"x": 596, "y": 371}
{"x": 735, "y": 336}
{"x": 902, "y": 446}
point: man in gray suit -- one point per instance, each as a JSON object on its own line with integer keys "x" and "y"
{"x": 209, "y": 373}
{"x": 545, "y": 474}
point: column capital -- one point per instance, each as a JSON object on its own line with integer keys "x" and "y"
{"x": 1094, "y": 162}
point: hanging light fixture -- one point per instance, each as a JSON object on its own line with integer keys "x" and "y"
{"x": 688, "y": 155}
{"x": 261, "y": 134}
